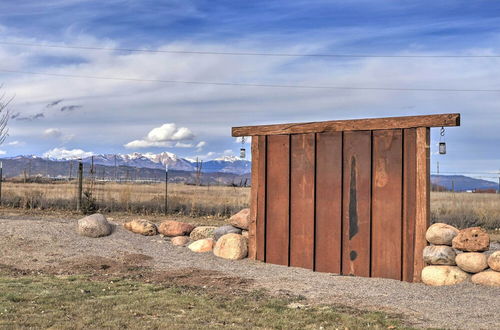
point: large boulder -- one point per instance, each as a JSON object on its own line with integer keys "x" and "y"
{"x": 231, "y": 246}
{"x": 488, "y": 277}
{"x": 443, "y": 275}
{"x": 494, "y": 261}
{"x": 202, "y": 245}
{"x": 241, "y": 219}
{"x": 224, "y": 230}
{"x": 439, "y": 255}
{"x": 180, "y": 240}
{"x": 175, "y": 228}
{"x": 472, "y": 262}
{"x": 94, "y": 225}
{"x": 473, "y": 239}
{"x": 441, "y": 234}
{"x": 202, "y": 232}
{"x": 141, "y": 226}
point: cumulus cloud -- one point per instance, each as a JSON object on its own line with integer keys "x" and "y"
{"x": 15, "y": 143}
{"x": 167, "y": 135}
{"x": 200, "y": 146}
{"x": 61, "y": 153}
{"x": 2, "y": 152}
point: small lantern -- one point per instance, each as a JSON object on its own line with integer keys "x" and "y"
{"x": 243, "y": 152}
{"x": 442, "y": 148}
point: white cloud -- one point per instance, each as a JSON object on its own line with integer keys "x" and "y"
{"x": 200, "y": 146}
{"x": 15, "y": 143}
{"x": 164, "y": 136}
{"x": 2, "y": 152}
{"x": 52, "y": 133}
{"x": 183, "y": 145}
{"x": 61, "y": 153}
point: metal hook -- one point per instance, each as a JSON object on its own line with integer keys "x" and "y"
{"x": 442, "y": 131}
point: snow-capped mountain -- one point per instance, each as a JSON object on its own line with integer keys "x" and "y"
{"x": 226, "y": 164}
{"x": 147, "y": 160}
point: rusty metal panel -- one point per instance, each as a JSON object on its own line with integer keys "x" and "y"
{"x": 356, "y": 211}
{"x": 387, "y": 170}
{"x": 328, "y": 240}
{"x": 302, "y": 167}
{"x": 277, "y": 199}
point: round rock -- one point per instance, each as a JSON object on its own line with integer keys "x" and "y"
{"x": 202, "y": 232}
{"x": 473, "y": 239}
{"x": 241, "y": 219}
{"x": 224, "y": 230}
{"x": 202, "y": 245}
{"x": 443, "y": 275}
{"x": 175, "y": 228}
{"x": 179, "y": 240}
{"x": 231, "y": 246}
{"x": 472, "y": 262}
{"x": 488, "y": 277}
{"x": 441, "y": 234}
{"x": 141, "y": 226}
{"x": 94, "y": 225}
{"x": 439, "y": 255}
{"x": 494, "y": 261}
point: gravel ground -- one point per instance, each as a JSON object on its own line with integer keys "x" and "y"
{"x": 37, "y": 244}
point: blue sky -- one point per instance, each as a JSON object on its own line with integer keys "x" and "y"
{"x": 112, "y": 116}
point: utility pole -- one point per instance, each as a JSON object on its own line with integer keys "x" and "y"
{"x": 116, "y": 172}
{"x": 70, "y": 170}
{"x": 80, "y": 186}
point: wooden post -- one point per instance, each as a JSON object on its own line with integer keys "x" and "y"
{"x": 80, "y": 186}
{"x": 422, "y": 219}
{"x": 166, "y": 189}
{"x": 252, "y": 251}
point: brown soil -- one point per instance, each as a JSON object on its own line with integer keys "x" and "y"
{"x": 51, "y": 245}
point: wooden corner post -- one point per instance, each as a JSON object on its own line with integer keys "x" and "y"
{"x": 422, "y": 199}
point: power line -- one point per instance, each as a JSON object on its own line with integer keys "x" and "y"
{"x": 396, "y": 89}
{"x": 24, "y": 44}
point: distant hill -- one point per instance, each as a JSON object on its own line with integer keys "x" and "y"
{"x": 462, "y": 183}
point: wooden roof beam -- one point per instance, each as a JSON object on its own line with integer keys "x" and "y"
{"x": 445, "y": 120}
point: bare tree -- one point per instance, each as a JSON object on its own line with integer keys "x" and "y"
{"x": 4, "y": 116}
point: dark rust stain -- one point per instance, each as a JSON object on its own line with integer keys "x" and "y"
{"x": 353, "y": 209}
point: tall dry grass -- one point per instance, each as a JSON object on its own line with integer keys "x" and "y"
{"x": 459, "y": 209}
{"x": 466, "y": 209}
{"x": 218, "y": 201}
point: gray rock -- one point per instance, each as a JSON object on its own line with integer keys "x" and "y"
{"x": 94, "y": 225}
{"x": 202, "y": 232}
{"x": 439, "y": 255}
{"x": 228, "y": 229}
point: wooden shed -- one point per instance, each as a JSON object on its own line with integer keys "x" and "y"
{"x": 348, "y": 197}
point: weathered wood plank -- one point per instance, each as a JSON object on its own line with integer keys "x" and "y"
{"x": 409, "y": 199}
{"x": 356, "y": 203}
{"x": 256, "y": 229}
{"x": 422, "y": 199}
{"x": 277, "y": 199}
{"x": 328, "y": 255}
{"x": 452, "y": 119}
{"x": 387, "y": 173}
{"x": 302, "y": 169}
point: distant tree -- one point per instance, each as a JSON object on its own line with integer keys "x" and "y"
{"x": 4, "y": 116}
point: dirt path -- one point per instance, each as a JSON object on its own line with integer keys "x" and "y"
{"x": 35, "y": 244}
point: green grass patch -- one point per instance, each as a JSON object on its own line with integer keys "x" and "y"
{"x": 78, "y": 302}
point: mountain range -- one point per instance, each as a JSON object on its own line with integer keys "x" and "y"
{"x": 227, "y": 164}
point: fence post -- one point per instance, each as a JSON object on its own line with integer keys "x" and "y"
{"x": 166, "y": 189}
{"x": 80, "y": 186}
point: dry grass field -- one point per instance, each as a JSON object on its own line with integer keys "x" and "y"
{"x": 459, "y": 209}
{"x": 137, "y": 198}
